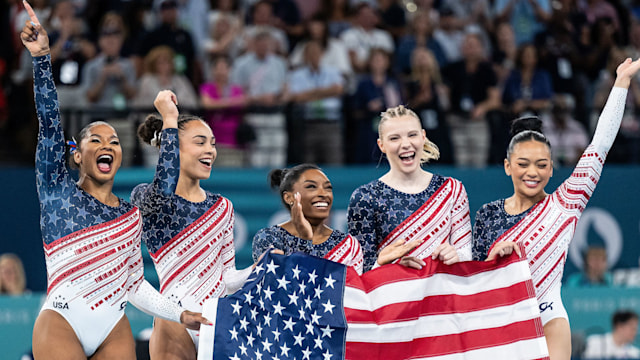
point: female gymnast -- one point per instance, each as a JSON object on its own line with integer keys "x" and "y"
{"x": 409, "y": 205}
{"x": 188, "y": 231}
{"x": 307, "y": 192}
{"x": 91, "y": 237}
{"x": 544, "y": 224}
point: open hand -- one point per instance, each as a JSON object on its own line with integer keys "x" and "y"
{"x": 625, "y": 71}
{"x": 302, "y": 225}
{"x": 396, "y": 250}
{"x": 33, "y": 35}
{"x": 193, "y": 320}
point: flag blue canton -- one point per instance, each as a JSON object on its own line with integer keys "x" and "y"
{"x": 289, "y": 308}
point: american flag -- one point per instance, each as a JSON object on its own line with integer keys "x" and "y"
{"x": 304, "y": 308}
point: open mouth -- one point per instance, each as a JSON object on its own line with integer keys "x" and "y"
{"x": 408, "y": 157}
{"x": 531, "y": 183}
{"x": 206, "y": 162}
{"x": 321, "y": 205}
{"x": 104, "y": 163}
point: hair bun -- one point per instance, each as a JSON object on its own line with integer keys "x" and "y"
{"x": 525, "y": 123}
{"x": 275, "y": 177}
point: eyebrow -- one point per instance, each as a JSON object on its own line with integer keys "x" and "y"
{"x": 100, "y": 136}
{"x": 203, "y": 137}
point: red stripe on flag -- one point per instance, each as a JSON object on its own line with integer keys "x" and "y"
{"x": 441, "y": 304}
{"x": 445, "y": 344}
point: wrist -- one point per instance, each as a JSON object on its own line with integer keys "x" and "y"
{"x": 42, "y": 52}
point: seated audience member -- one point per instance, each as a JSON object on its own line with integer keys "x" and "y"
{"x": 617, "y": 344}
{"x": 595, "y": 272}
{"x": 567, "y": 136}
{"x": 160, "y": 74}
{"x": 13, "y": 280}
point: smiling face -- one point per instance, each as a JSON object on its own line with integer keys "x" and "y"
{"x": 402, "y": 140}
{"x": 99, "y": 154}
{"x": 530, "y": 168}
{"x": 316, "y": 195}
{"x": 197, "y": 150}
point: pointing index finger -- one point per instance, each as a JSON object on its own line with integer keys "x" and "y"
{"x": 31, "y": 13}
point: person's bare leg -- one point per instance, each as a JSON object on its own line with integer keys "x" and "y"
{"x": 119, "y": 344}
{"x": 558, "y": 335}
{"x": 53, "y": 338}
{"x": 171, "y": 341}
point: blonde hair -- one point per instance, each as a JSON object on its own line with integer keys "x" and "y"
{"x": 13, "y": 260}
{"x": 419, "y": 71}
{"x": 430, "y": 150}
{"x": 150, "y": 61}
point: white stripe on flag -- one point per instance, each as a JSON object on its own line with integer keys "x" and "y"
{"x": 438, "y": 325}
{"x": 522, "y": 350}
{"x": 437, "y": 284}
{"x": 208, "y": 332}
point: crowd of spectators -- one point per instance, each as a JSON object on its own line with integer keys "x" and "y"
{"x": 286, "y": 81}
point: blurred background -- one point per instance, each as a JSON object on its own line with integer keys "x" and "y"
{"x": 288, "y": 81}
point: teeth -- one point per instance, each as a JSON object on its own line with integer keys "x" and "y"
{"x": 206, "y": 161}
{"x": 321, "y": 204}
{"x": 105, "y": 157}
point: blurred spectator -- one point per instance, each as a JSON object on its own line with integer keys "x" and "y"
{"x": 392, "y": 17}
{"x": 473, "y": 93}
{"x": 420, "y": 35}
{"x": 109, "y": 80}
{"x": 595, "y": 272}
{"x": 599, "y": 9}
{"x": 627, "y": 149}
{"x": 527, "y": 17}
{"x": 559, "y": 54}
{"x": 476, "y": 13}
{"x": 264, "y": 20}
{"x": 376, "y": 91}
{"x": 334, "y": 53}
{"x": 426, "y": 96}
{"x": 364, "y": 36}
{"x": 170, "y": 33}
{"x": 528, "y": 88}
{"x": 160, "y": 74}
{"x": 567, "y": 136}
{"x": 222, "y": 39}
{"x": 504, "y": 51}
{"x": 193, "y": 16}
{"x": 225, "y": 8}
{"x": 337, "y": 14}
{"x": 262, "y": 74}
{"x": 617, "y": 344}
{"x": 316, "y": 90}
{"x": 288, "y": 18}
{"x": 449, "y": 35}
{"x": 13, "y": 280}
{"x": 71, "y": 49}
{"x": 224, "y": 104}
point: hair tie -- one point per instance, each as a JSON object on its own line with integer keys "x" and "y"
{"x": 156, "y": 138}
{"x": 72, "y": 145}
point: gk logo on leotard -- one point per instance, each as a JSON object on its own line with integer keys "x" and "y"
{"x": 60, "y": 305}
{"x": 123, "y": 305}
{"x": 546, "y": 305}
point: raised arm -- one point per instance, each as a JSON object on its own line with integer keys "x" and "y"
{"x": 611, "y": 116}
{"x": 165, "y": 180}
{"x": 50, "y": 151}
